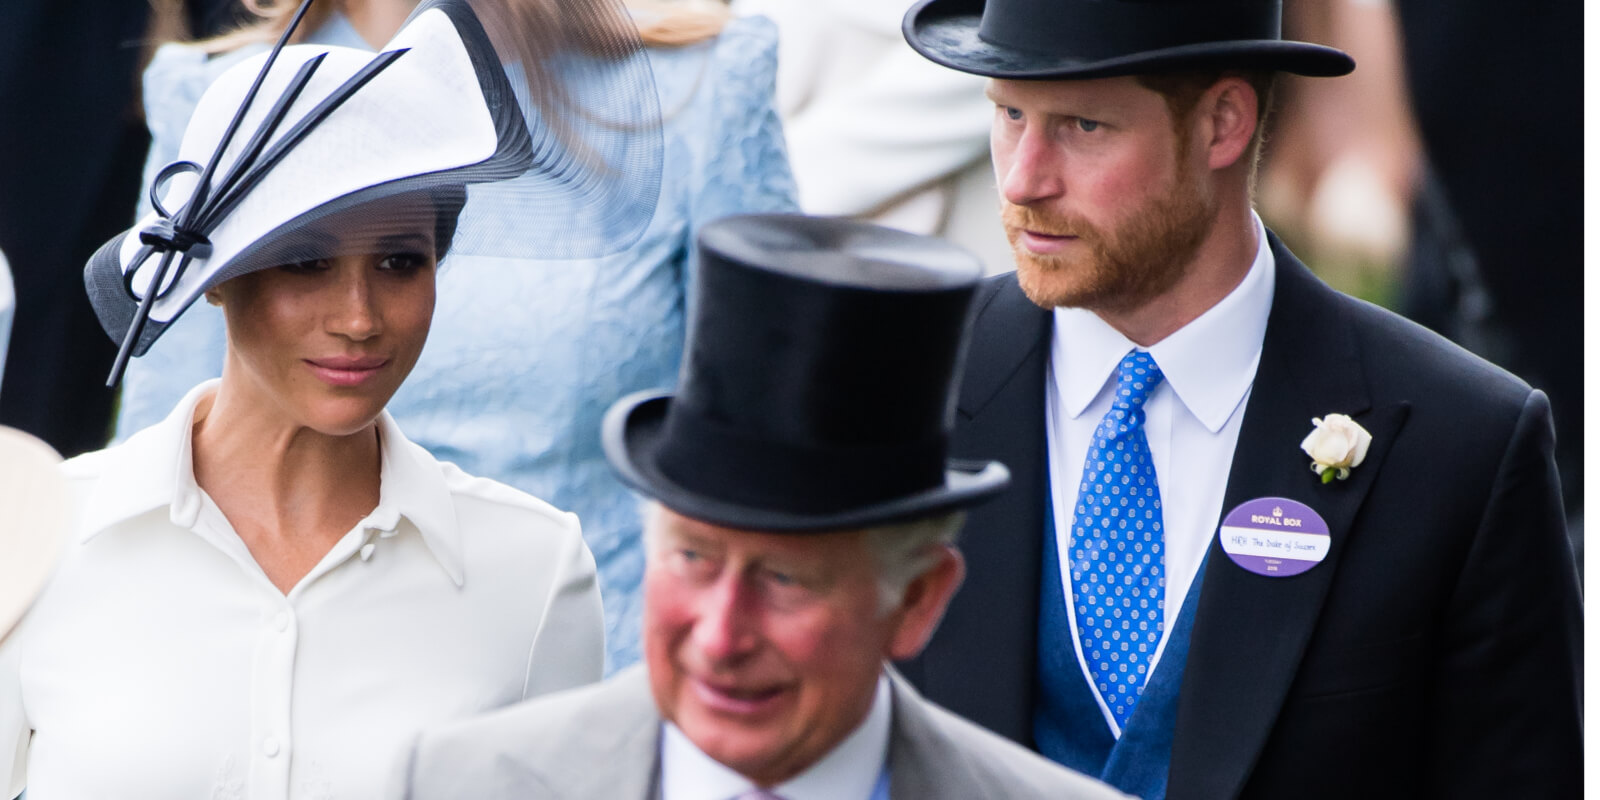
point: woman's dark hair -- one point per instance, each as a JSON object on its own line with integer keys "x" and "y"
{"x": 447, "y": 202}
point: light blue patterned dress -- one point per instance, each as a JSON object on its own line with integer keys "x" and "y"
{"x": 525, "y": 356}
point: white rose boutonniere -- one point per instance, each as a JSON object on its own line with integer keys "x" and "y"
{"x": 1335, "y": 445}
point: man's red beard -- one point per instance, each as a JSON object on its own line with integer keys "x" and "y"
{"x": 1125, "y": 267}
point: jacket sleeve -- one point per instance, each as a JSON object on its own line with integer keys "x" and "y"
{"x": 1507, "y": 692}
{"x": 569, "y": 649}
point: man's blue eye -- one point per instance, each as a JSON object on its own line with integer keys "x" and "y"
{"x": 1087, "y": 125}
{"x": 1012, "y": 113}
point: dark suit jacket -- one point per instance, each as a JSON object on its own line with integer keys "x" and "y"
{"x": 1434, "y": 653}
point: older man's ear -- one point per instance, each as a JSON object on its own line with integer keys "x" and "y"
{"x": 924, "y": 602}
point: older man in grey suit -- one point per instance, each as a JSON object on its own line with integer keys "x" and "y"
{"x": 801, "y": 536}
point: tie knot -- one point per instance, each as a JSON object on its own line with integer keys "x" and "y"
{"x": 1137, "y": 377}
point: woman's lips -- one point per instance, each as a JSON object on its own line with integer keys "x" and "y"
{"x": 735, "y": 700}
{"x": 341, "y": 371}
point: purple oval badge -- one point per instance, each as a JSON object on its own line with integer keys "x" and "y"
{"x": 1275, "y": 536}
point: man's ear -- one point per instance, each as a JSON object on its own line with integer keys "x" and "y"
{"x": 214, "y": 296}
{"x": 1227, "y": 115}
{"x": 926, "y": 597}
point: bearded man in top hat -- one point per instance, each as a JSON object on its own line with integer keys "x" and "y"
{"x": 1264, "y": 540}
{"x": 800, "y": 535}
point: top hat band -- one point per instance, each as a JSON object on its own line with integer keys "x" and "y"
{"x": 1101, "y": 29}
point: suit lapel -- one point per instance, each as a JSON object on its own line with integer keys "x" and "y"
{"x": 613, "y": 749}
{"x": 991, "y": 625}
{"x": 1250, "y": 631}
{"x": 923, "y": 763}
{"x": 1009, "y": 332}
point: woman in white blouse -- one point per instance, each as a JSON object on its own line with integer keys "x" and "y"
{"x": 272, "y": 590}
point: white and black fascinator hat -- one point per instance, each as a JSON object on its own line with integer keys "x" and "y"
{"x": 545, "y": 108}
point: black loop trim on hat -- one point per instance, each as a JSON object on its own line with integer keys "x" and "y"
{"x": 720, "y": 462}
{"x": 164, "y": 235}
{"x": 1099, "y": 29}
{"x": 166, "y": 174}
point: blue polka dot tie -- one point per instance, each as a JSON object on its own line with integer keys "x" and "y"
{"x": 1118, "y": 579}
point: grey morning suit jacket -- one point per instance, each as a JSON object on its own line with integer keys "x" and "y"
{"x": 602, "y": 742}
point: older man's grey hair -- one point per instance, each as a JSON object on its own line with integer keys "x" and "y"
{"x": 905, "y": 550}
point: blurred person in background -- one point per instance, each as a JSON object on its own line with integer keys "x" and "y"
{"x": 525, "y": 355}
{"x": 272, "y": 588}
{"x": 69, "y": 167}
{"x": 1496, "y": 262}
{"x": 1401, "y": 195}
{"x": 875, "y": 132}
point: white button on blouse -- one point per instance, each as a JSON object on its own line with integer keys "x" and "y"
{"x": 162, "y": 663}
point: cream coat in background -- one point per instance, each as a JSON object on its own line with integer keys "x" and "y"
{"x": 162, "y": 663}
{"x": 879, "y": 133}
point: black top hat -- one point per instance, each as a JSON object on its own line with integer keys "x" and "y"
{"x": 818, "y": 384}
{"x": 1063, "y": 39}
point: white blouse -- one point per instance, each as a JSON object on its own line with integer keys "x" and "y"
{"x": 162, "y": 663}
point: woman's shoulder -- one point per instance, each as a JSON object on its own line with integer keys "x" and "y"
{"x": 739, "y": 63}
{"x": 484, "y": 506}
{"x": 473, "y": 492}
{"x": 114, "y": 458}
{"x": 747, "y": 41}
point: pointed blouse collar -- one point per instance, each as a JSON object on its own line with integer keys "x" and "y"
{"x": 154, "y": 468}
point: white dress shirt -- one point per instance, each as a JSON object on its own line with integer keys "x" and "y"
{"x": 1191, "y": 420}
{"x": 162, "y": 663}
{"x": 850, "y": 771}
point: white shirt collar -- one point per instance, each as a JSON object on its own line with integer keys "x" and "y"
{"x": 849, "y": 771}
{"x": 155, "y": 468}
{"x": 1209, "y": 363}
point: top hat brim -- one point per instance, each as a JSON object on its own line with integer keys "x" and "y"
{"x": 35, "y": 519}
{"x": 946, "y": 32}
{"x": 633, "y": 433}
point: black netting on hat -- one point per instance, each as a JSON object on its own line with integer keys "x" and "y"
{"x": 541, "y": 113}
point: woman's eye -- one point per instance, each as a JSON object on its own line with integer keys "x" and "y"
{"x": 1012, "y": 113}
{"x": 403, "y": 262}
{"x": 1087, "y": 125}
